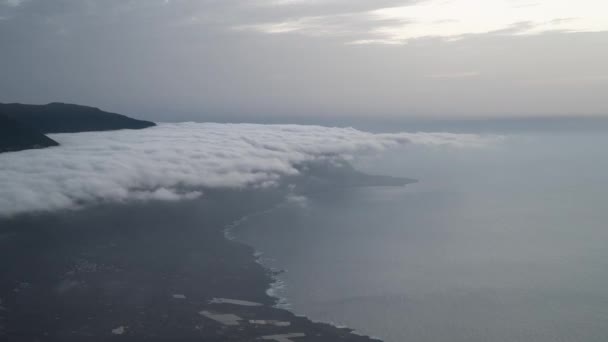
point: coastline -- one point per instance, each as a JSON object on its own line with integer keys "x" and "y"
{"x": 282, "y": 303}
{"x": 358, "y": 179}
{"x": 136, "y": 272}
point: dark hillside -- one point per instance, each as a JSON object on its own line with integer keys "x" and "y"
{"x": 15, "y": 136}
{"x": 69, "y": 118}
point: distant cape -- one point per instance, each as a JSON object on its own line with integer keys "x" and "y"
{"x": 22, "y": 126}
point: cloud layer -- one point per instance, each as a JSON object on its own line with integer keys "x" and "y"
{"x": 449, "y": 19}
{"x": 179, "y": 161}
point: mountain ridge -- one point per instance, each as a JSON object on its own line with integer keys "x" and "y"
{"x": 23, "y": 126}
{"x": 58, "y": 117}
{"x": 15, "y": 136}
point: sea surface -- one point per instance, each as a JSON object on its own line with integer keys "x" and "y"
{"x": 507, "y": 242}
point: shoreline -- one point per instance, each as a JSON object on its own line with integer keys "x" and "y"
{"x": 281, "y": 303}
{"x": 144, "y": 272}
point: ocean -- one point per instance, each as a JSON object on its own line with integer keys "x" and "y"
{"x": 506, "y": 242}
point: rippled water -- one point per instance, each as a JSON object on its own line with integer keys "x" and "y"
{"x": 504, "y": 243}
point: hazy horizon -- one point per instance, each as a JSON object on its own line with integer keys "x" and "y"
{"x": 288, "y": 60}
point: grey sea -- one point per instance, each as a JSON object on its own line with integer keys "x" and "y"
{"x": 503, "y": 243}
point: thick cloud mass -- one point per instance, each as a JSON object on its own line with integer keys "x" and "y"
{"x": 178, "y": 161}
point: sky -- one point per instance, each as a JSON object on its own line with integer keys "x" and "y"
{"x": 245, "y": 60}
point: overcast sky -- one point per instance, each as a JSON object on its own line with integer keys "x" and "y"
{"x": 198, "y": 59}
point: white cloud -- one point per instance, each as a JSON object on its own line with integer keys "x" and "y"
{"x": 14, "y": 3}
{"x": 297, "y": 200}
{"x": 316, "y": 26}
{"x": 457, "y": 18}
{"x": 454, "y": 75}
{"x": 179, "y": 161}
{"x": 451, "y": 19}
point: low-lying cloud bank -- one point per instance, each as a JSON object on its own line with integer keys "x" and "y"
{"x": 178, "y": 161}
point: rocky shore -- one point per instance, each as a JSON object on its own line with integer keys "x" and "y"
{"x": 143, "y": 272}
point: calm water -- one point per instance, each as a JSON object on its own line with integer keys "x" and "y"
{"x": 505, "y": 243}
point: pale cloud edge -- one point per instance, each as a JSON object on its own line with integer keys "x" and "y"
{"x": 447, "y": 19}
{"x": 179, "y": 161}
